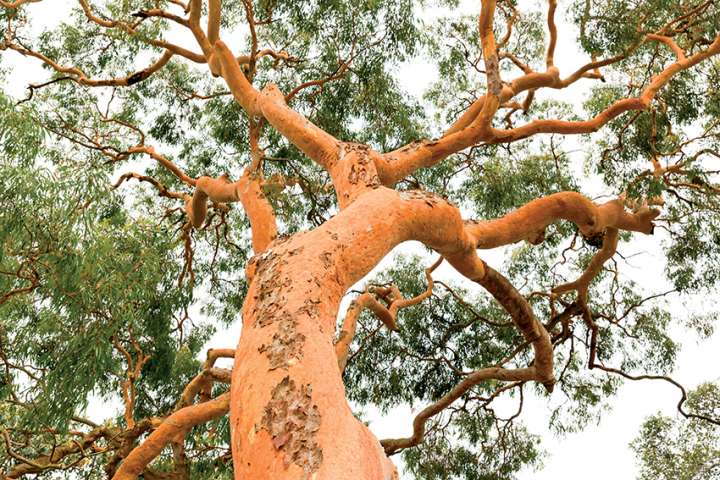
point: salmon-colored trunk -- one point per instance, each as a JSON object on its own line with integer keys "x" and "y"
{"x": 290, "y": 418}
{"x": 289, "y": 415}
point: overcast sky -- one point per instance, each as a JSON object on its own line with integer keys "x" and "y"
{"x": 599, "y": 452}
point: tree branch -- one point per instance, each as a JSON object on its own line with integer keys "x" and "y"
{"x": 54, "y": 460}
{"x": 16, "y": 3}
{"x": 270, "y": 103}
{"x": 247, "y": 191}
{"x": 529, "y": 221}
{"x": 77, "y": 75}
{"x": 609, "y": 246}
{"x": 162, "y": 189}
{"x": 683, "y": 392}
{"x": 171, "y": 428}
{"x": 471, "y": 128}
{"x": 619, "y": 107}
{"x": 394, "y": 445}
{"x": 214, "y": 16}
{"x": 524, "y": 319}
{"x": 201, "y": 384}
{"x": 552, "y": 30}
{"x": 347, "y": 331}
{"x": 388, "y": 315}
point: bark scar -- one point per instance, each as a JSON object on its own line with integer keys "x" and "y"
{"x": 292, "y": 421}
{"x": 285, "y": 349}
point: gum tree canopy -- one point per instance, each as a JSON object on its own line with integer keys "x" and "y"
{"x": 173, "y": 167}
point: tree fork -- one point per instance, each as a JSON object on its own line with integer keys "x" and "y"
{"x": 288, "y": 400}
{"x": 286, "y": 355}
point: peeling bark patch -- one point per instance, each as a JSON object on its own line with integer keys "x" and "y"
{"x": 292, "y": 422}
{"x": 280, "y": 239}
{"x": 347, "y": 147}
{"x": 493, "y": 75}
{"x": 285, "y": 349}
{"x": 431, "y": 199}
{"x": 265, "y": 262}
{"x": 362, "y": 169}
{"x": 361, "y": 174}
{"x": 310, "y": 308}
{"x": 269, "y": 299}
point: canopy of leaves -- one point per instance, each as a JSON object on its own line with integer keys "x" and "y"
{"x": 96, "y": 277}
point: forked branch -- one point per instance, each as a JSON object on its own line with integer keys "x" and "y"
{"x": 394, "y": 445}
{"x": 78, "y": 76}
{"x": 386, "y": 314}
{"x": 171, "y": 428}
{"x": 472, "y": 127}
{"x": 581, "y": 284}
{"x": 248, "y": 191}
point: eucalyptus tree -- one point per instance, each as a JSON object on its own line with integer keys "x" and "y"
{"x": 180, "y": 166}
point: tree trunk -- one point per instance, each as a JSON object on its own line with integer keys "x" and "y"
{"x": 289, "y": 415}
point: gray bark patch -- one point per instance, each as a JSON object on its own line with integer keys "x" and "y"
{"x": 285, "y": 349}
{"x": 270, "y": 298}
{"x": 292, "y": 421}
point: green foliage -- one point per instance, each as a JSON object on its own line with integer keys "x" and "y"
{"x": 99, "y": 280}
{"x": 610, "y": 28}
{"x": 20, "y": 137}
{"x": 492, "y": 452}
{"x": 681, "y": 449}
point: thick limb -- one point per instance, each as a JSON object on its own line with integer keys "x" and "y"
{"x": 524, "y": 319}
{"x": 214, "y": 15}
{"x": 530, "y": 220}
{"x": 515, "y": 226}
{"x": 270, "y": 103}
{"x": 552, "y": 32}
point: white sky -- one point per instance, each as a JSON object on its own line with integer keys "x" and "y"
{"x": 599, "y": 452}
